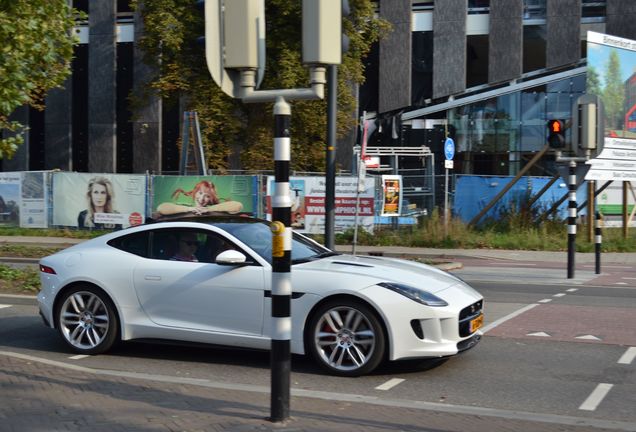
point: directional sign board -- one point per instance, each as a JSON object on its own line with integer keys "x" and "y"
{"x": 449, "y": 149}
{"x": 617, "y": 161}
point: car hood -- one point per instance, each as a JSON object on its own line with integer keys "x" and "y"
{"x": 366, "y": 271}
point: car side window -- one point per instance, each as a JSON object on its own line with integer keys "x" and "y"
{"x": 213, "y": 245}
{"x": 136, "y": 243}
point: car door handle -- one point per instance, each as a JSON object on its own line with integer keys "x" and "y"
{"x": 152, "y": 278}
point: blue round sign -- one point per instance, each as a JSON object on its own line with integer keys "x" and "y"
{"x": 449, "y": 148}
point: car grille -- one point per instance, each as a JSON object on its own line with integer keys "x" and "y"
{"x": 466, "y": 315}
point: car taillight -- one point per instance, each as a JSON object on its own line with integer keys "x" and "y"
{"x": 47, "y": 269}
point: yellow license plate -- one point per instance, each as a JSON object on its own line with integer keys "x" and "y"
{"x": 476, "y": 323}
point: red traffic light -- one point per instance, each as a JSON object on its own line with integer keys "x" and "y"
{"x": 555, "y": 126}
{"x": 556, "y": 134}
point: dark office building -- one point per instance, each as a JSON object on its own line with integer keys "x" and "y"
{"x": 87, "y": 125}
{"x": 487, "y": 72}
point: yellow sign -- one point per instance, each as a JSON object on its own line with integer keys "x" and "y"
{"x": 278, "y": 245}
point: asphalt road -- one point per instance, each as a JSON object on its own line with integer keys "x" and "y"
{"x": 565, "y": 349}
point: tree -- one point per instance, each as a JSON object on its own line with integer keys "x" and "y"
{"x": 614, "y": 91}
{"x": 593, "y": 82}
{"x": 37, "y": 47}
{"x": 171, "y": 27}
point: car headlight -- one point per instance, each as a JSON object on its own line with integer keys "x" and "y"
{"x": 415, "y": 294}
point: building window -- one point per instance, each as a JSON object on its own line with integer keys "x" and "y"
{"x": 476, "y": 60}
{"x": 422, "y": 67}
{"x": 534, "y": 47}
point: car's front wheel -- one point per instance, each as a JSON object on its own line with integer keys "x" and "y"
{"x": 87, "y": 321}
{"x": 346, "y": 338}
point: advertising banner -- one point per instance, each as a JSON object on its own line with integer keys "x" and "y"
{"x": 33, "y": 206}
{"x": 308, "y": 203}
{"x": 611, "y": 74}
{"x": 98, "y": 201}
{"x": 10, "y": 198}
{"x": 391, "y": 195}
{"x": 213, "y": 195}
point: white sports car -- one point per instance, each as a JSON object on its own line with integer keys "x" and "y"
{"x": 348, "y": 312}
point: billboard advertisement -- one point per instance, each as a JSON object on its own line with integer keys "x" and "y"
{"x": 391, "y": 195}
{"x": 33, "y": 206}
{"x": 98, "y": 201}
{"x": 308, "y": 203}
{"x": 611, "y": 75}
{"x": 213, "y": 195}
{"x": 10, "y": 197}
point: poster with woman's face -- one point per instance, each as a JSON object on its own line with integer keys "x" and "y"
{"x": 176, "y": 195}
{"x": 98, "y": 201}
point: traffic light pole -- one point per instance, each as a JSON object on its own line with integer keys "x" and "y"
{"x": 330, "y": 174}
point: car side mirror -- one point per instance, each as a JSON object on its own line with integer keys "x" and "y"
{"x": 230, "y": 257}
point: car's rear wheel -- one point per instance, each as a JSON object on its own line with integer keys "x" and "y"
{"x": 87, "y": 321}
{"x": 346, "y": 338}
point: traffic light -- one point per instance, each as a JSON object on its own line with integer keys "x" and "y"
{"x": 556, "y": 134}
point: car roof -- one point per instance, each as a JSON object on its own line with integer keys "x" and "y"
{"x": 207, "y": 218}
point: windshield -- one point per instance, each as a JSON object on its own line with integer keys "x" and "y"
{"x": 258, "y": 236}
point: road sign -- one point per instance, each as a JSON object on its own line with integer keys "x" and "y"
{"x": 448, "y": 164}
{"x": 449, "y": 148}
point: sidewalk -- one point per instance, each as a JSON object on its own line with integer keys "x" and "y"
{"x": 38, "y": 397}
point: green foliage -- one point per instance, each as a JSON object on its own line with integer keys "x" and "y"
{"x": 227, "y": 125}
{"x": 517, "y": 232}
{"x": 37, "y": 47}
{"x": 18, "y": 279}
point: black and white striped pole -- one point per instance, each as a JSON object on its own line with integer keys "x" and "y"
{"x": 281, "y": 266}
{"x": 571, "y": 218}
{"x": 598, "y": 241}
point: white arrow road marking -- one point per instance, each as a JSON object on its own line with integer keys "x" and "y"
{"x": 79, "y": 357}
{"x": 539, "y": 334}
{"x": 587, "y": 337}
{"x": 628, "y": 357}
{"x": 596, "y": 397}
{"x": 390, "y": 384}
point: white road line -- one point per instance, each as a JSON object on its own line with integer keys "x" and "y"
{"x": 628, "y": 278}
{"x": 559, "y": 295}
{"x": 502, "y": 320}
{"x": 390, "y": 384}
{"x": 572, "y": 290}
{"x": 79, "y": 357}
{"x": 545, "y": 301}
{"x": 609, "y": 266}
{"x": 628, "y": 357}
{"x": 2, "y": 306}
{"x": 596, "y": 397}
{"x": 620, "y": 283}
